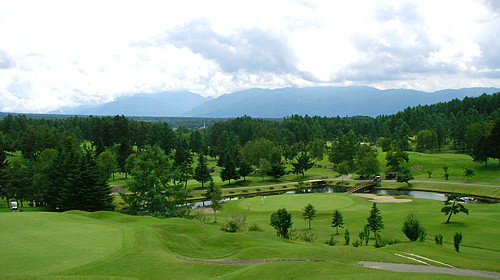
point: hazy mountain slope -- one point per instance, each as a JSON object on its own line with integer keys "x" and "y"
{"x": 324, "y": 101}
{"x": 167, "y": 104}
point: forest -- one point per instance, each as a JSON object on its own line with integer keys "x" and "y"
{"x": 66, "y": 163}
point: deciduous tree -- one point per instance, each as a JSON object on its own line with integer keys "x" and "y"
{"x": 281, "y": 220}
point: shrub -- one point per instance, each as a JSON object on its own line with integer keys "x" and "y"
{"x": 331, "y": 241}
{"x": 308, "y": 237}
{"x": 201, "y": 217}
{"x": 457, "y": 239}
{"x": 244, "y": 191}
{"x": 284, "y": 187}
{"x": 231, "y": 191}
{"x": 234, "y": 224}
{"x": 271, "y": 188}
{"x": 422, "y": 235}
{"x": 258, "y": 189}
{"x": 438, "y": 238}
{"x": 379, "y": 241}
{"x": 254, "y": 227}
{"x": 357, "y": 243}
{"x": 347, "y": 237}
{"x": 412, "y": 227}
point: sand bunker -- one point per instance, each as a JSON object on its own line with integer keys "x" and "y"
{"x": 382, "y": 199}
{"x": 205, "y": 210}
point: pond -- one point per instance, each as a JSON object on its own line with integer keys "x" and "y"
{"x": 335, "y": 189}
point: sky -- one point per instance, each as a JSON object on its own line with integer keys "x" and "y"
{"x": 67, "y": 53}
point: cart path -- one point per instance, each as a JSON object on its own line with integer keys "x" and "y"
{"x": 245, "y": 261}
{"x": 399, "y": 267}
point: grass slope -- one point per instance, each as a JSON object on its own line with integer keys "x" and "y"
{"x": 104, "y": 244}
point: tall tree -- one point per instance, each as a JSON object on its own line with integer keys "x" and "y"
{"x": 317, "y": 149}
{"x": 228, "y": 171}
{"x": 124, "y": 150}
{"x": 303, "y": 164}
{"x": 477, "y": 141}
{"x": 202, "y": 173}
{"x": 214, "y": 195}
{"x": 367, "y": 161}
{"x": 337, "y": 220}
{"x": 244, "y": 169}
{"x": 395, "y": 158}
{"x": 309, "y": 213}
{"x": 427, "y": 141}
{"x": 374, "y": 221}
{"x": 150, "y": 191}
{"x": 107, "y": 163}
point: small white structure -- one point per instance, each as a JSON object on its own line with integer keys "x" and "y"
{"x": 13, "y": 205}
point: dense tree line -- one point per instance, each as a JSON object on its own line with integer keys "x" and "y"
{"x": 84, "y": 152}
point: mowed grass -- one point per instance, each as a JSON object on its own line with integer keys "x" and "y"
{"x": 106, "y": 244}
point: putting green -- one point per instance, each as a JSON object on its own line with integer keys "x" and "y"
{"x": 296, "y": 202}
{"x": 38, "y": 242}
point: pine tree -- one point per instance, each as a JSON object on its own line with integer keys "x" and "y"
{"x": 229, "y": 171}
{"x": 303, "y": 164}
{"x": 244, "y": 169}
{"x": 338, "y": 220}
{"x": 202, "y": 173}
{"x": 374, "y": 220}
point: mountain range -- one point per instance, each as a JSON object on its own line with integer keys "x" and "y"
{"x": 276, "y": 103}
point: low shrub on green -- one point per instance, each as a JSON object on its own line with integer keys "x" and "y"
{"x": 438, "y": 238}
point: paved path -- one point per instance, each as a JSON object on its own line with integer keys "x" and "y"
{"x": 399, "y": 267}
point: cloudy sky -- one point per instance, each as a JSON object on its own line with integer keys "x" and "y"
{"x": 68, "y": 53}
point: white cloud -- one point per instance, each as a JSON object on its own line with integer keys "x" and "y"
{"x": 63, "y": 53}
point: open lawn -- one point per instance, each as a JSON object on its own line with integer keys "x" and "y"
{"x": 103, "y": 245}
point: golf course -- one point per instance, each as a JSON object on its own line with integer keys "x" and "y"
{"x": 110, "y": 245}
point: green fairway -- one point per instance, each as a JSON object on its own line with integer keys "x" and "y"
{"x": 107, "y": 244}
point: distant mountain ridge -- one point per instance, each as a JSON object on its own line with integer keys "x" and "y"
{"x": 325, "y": 101}
{"x": 277, "y": 103}
{"x": 164, "y": 104}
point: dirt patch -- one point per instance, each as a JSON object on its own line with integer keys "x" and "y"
{"x": 382, "y": 199}
{"x": 117, "y": 189}
{"x": 205, "y": 210}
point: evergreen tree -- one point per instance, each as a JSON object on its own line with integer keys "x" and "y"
{"x": 202, "y": 173}
{"x": 337, "y": 220}
{"x": 228, "y": 171}
{"x": 303, "y": 164}
{"x": 309, "y": 213}
{"x": 374, "y": 220}
{"x": 244, "y": 169}
{"x": 4, "y": 165}
{"x": 94, "y": 191}
{"x": 124, "y": 150}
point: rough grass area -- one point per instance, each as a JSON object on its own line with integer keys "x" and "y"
{"x": 107, "y": 245}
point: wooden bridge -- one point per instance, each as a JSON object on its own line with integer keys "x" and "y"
{"x": 362, "y": 186}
